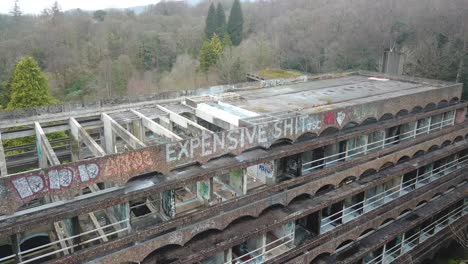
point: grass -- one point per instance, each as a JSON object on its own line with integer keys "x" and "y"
{"x": 278, "y": 73}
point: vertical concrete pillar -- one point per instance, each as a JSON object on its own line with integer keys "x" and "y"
{"x": 3, "y": 165}
{"x": 138, "y": 129}
{"x": 228, "y": 256}
{"x": 205, "y": 190}
{"x": 15, "y": 246}
{"x": 42, "y": 158}
{"x": 460, "y": 115}
{"x": 238, "y": 180}
{"x": 109, "y": 137}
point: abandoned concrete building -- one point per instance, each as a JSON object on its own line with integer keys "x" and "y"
{"x": 341, "y": 168}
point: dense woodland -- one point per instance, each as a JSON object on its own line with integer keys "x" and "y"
{"x": 171, "y": 45}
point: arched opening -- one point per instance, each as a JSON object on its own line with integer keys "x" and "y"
{"x": 306, "y": 137}
{"x": 242, "y": 219}
{"x": 204, "y": 234}
{"x": 402, "y": 113}
{"x": 281, "y": 142}
{"x": 34, "y": 242}
{"x": 386, "y": 116}
{"x": 160, "y": 255}
{"x": 430, "y": 107}
{"x": 458, "y": 139}
{"x": 419, "y": 153}
{"x": 442, "y": 104}
{"x": 302, "y": 197}
{"x": 368, "y": 121}
{"x": 344, "y": 245}
{"x": 271, "y": 208}
{"x": 403, "y": 159}
{"x": 433, "y": 148}
{"x": 387, "y": 222}
{"x": 446, "y": 143}
{"x": 347, "y": 181}
{"x": 324, "y": 189}
{"x": 436, "y": 196}
{"x": 405, "y": 212}
{"x": 329, "y": 131}
{"x": 454, "y": 101}
{"x": 321, "y": 259}
{"x": 350, "y": 125}
{"x": 421, "y": 204}
{"x": 417, "y": 109}
{"x": 367, "y": 173}
{"x": 386, "y": 165}
{"x": 366, "y": 233}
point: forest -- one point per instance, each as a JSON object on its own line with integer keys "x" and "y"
{"x": 171, "y": 45}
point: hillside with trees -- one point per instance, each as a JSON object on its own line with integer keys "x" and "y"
{"x": 174, "y": 46}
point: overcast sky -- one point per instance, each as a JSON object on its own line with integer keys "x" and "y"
{"x": 36, "y": 6}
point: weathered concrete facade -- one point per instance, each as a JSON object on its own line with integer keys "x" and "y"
{"x": 278, "y": 171}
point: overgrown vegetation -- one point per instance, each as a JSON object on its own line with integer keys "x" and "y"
{"x": 110, "y": 53}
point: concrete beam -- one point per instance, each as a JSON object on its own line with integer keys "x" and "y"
{"x": 44, "y": 147}
{"x": 217, "y": 116}
{"x": 80, "y": 134}
{"x": 111, "y": 127}
{"x": 3, "y": 166}
{"x": 155, "y": 127}
{"x": 184, "y": 122}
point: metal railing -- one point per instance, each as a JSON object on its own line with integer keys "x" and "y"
{"x": 33, "y": 251}
{"x": 388, "y": 195}
{"x": 289, "y": 238}
{"x": 380, "y": 144}
{"x": 399, "y": 249}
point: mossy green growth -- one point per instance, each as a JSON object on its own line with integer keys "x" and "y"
{"x": 279, "y": 73}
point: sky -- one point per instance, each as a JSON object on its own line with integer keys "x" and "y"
{"x": 36, "y": 6}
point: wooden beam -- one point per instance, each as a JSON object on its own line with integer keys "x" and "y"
{"x": 110, "y": 127}
{"x": 44, "y": 147}
{"x": 80, "y": 134}
{"x": 184, "y": 122}
{"x": 3, "y": 165}
{"x": 155, "y": 127}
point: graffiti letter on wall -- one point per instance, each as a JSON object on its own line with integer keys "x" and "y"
{"x": 329, "y": 118}
{"x": 28, "y": 186}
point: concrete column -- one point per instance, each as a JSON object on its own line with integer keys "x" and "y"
{"x": 205, "y": 190}
{"x": 3, "y": 165}
{"x": 138, "y": 129}
{"x": 257, "y": 245}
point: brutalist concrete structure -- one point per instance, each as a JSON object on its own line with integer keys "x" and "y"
{"x": 340, "y": 168}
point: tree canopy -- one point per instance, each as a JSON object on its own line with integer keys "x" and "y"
{"x": 220, "y": 20}
{"x": 235, "y": 26}
{"x": 211, "y": 19}
{"x": 28, "y": 86}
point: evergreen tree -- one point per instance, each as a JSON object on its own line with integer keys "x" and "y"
{"x": 210, "y": 52}
{"x": 220, "y": 20}
{"x": 16, "y": 11}
{"x": 216, "y": 45}
{"x": 211, "y": 26}
{"x": 235, "y": 24}
{"x": 28, "y": 86}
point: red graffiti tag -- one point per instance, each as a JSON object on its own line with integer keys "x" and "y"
{"x": 329, "y": 118}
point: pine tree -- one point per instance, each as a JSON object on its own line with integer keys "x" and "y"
{"x": 220, "y": 20}
{"x": 16, "y": 11}
{"x": 28, "y": 86}
{"x": 210, "y": 27}
{"x": 235, "y": 24}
